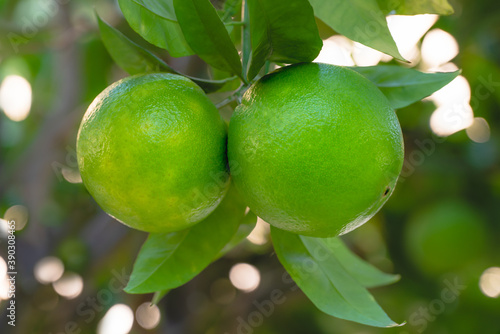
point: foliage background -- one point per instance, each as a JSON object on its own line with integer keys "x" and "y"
{"x": 64, "y": 60}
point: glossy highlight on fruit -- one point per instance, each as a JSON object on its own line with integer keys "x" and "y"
{"x": 152, "y": 152}
{"x": 315, "y": 149}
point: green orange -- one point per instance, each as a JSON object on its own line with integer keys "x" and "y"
{"x": 152, "y": 152}
{"x": 315, "y": 149}
{"x": 447, "y": 236}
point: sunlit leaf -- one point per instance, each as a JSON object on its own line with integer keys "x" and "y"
{"x": 168, "y": 260}
{"x": 366, "y": 274}
{"x": 403, "y": 86}
{"x": 163, "y": 8}
{"x": 155, "y": 29}
{"x": 128, "y": 55}
{"x": 136, "y": 60}
{"x": 206, "y": 34}
{"x": 282, "y": 31}
{"x": 360, "y": 20}
{"x": 325, "y": 280}
{"x": 415, "y": 7}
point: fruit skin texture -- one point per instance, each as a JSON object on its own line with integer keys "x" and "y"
{"x": 317, "y": 149}
{"x": 152, "y": 152}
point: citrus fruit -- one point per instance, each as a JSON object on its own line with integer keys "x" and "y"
{"x": 152, "y": 152}
{"x": 445, "y": 237}
{"x": 318, "y": 149}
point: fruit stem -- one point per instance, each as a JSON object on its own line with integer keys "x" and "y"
{"x": 235, "y": 23}
{"x": 236, "y": 96}
{"x": 226, "y": 101}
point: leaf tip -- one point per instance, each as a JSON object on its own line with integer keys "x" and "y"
{"x": 395, "y": 278}
{"x": 129, "y": 288}
{"x": 395, "y": 324}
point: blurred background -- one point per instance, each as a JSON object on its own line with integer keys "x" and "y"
{"x": 440, "y": 230}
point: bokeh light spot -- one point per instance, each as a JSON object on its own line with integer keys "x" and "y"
{"x": 4, "y": 227}
{"x": 438, "y": 47}
{"x": 365, "y": 56}
{"x": 147, "y": 315}
{"x": 3, "y": 267}
{"x": 48, "y": 270}
{"x": 336, "y": 51}
{"x": 244, "y": 277}
{"x": 19, "y": 214}
{"x": 118, "y": 320}
{"x": 479, "y": 131}
{"x": 260, "y": 233}
{"x": 69, "y": 286}
{"x": 454, "y": 112}
{"x": 408, "y": 30}
{"x": 489, "y": 283}
{"x": 447, "y": 120}
{"x": 71, "y": 175}
{"x": 4, "y": 283}
{"x": 448, "y": 67}
{"x": 456, "y": 92}
{"x": 15, "y": 97}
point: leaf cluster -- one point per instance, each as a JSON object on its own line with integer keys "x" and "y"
{"x": 239, "y": 41}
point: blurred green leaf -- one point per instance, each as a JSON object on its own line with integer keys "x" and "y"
{"x": 155, "y": 29}
{"x": 207, "y": 35}
{"x": 403, "y": 86}
{"x": 230, "y": 9}
{"x": 325, "y": 280}
{"x": 366, "y": 274}
{"x": 136, "y": 60}
{"x": 282, "y": 31}
{"x": 246, "y": 226}
{"x": 360, "y": 20}
{"x": 168, "y": 260}
{"x": 415, "y": 7}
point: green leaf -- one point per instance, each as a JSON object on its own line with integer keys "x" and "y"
{"x": 211, "y": 86}
{"x": 282, "y": 31}
{"x": 155, "y": 29}
{"x": 166, "y": 10}
{"x": 163, "y": 8}
{"x": 128, "y": 55}
{"x": 168, "y": 260}
{"x": 403, "y": 86}
{"x": 325, "y": 279}
{"x": 230, "y": 9}
{"x": 415, "y": 7}
{"x": 360, "y": 20}
{"x": 246, "y": 227}
{"x": 366, "y": 274}
{"x": 230, "y": 85}
{"x": 136, "y": 60}
{"x": 207, "y": 35}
